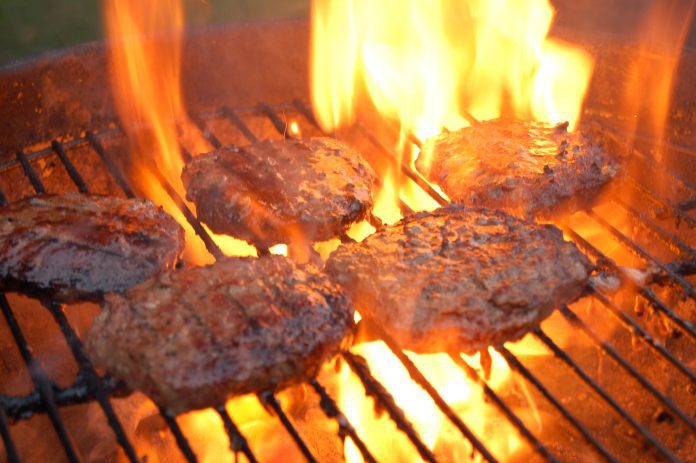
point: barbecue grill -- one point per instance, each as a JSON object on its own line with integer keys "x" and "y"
{"x": 630, "y": 396}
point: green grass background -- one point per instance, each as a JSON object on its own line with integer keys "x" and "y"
{"x": 29, "y": 27}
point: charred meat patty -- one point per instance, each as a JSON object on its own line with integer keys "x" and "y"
{"x": 280, "y": 191}
{"x": 527, "y": 168}
{"x": 192, "y": 337}
{"x": 75, "y": 246}
{"x": 459, "y": 278}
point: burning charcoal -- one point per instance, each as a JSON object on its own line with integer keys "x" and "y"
{"x": 77, "y": 247}
{"x": 281, "y": 191}
{"x": 527, "y": 168}
{"x": 435, "y": 285}
{"x": 192, "y": 337}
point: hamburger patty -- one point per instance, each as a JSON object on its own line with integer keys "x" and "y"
{"x": 190, "y": 338}
{"x": 280, "y": 191}
{"x": 77, "y": 247}
{"x": 460, "y": 279}
{"x": 526, "y": 168}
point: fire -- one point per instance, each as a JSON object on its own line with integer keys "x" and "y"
{"x": 649, "y": 85}
{"x": 145, "y": 64}
{"x": 430, "y": 65}
{"x": 465, "y": 397}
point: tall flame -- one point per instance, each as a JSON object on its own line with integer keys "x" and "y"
{"x": 440, "y": 64}
{"x": 649, "y": 85}
{"x": 145, "y": 59}
{"x": 427, "y": 64}
{"x": 145, "y": 63}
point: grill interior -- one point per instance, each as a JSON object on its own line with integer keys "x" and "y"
{"x": 624, "y": 391}
{"x": 618, "y": 379}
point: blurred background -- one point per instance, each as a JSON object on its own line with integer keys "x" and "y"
{"x": 28, "y": 27}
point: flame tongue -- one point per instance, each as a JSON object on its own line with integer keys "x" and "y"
{"x": 145, "y": 58}
{"x": 145, "y": 62}
{"x": 424, "y": 63}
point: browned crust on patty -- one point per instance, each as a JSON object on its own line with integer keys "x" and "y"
{"x": 75, "y": 246}
{"x": 191, "y": 338}
{"x": 527, "y": 168}
{"x": 280, "y": 191}
{"x": 460, "y": 279}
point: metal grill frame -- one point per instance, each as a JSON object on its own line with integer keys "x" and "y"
{"x": 88, "y": 386}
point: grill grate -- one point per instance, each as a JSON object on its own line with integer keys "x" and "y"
{"x": 88, "y": 386}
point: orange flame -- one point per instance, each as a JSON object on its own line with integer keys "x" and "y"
{"x": 145, "y": 64}
{"x": 431, "y": 65}
{"x": 426, "y": 64}
{"x": 649, "y": 85}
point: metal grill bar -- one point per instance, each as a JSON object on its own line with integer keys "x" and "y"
{"x": 210, "y": 244}
{"x": 210, "y": 136}
{"x": 658, "y": 230}
{"x": 560, "y": 353}
{"x": 110, "y": 166}
{"x": 92, "y": 380}
{"x": 636, "y": 330}
{"x": 94, "y": 384}
{"x": 635, "y": 247}
{"x": 648, "y": 159}
{"x": 344, "y": 427}
{"x": 31, "y": 173}
{"x": 69, "y": 167}
{"x": 237, "y": 121}
{"x": 648, "y": 293}
{"x": 41, "y": 381}
{"x": 179, "y": 437}
{"x": 422, "y": 381}
{"x": 607, "y": 347}
{"x": 238, "y": 442}
{"x": 269, "y": 399}
{"x": 653, "y": 197}
{"x": 10, "y": 449}
{"x": 280, "y": 126}
{"x": 516, "y": 365}
{"x": 375, "y": 389}
{"x": 509, "y": 414}
{"x": 687, "y": 205}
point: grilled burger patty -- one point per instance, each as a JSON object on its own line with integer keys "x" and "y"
{"x": 460, "y": 278}
{"x": 279, "y": 191}
{"x": 77, "y": 247}
{"x": 527, "y": 168}
{"x": 192, "y": 337}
